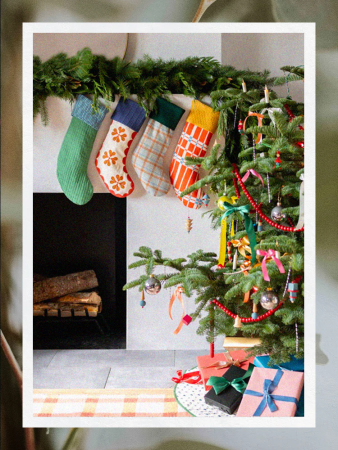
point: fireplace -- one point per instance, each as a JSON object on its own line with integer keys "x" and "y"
{"x": 69, "y": 238}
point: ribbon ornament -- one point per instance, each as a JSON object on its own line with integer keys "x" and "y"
{"x": 260, "y": 118}
{"x": 243, "y": 246}
{"x": 300, "y": 223}
{"x": 220, "y": 384}
{"x": 268, "y": 398}
{"x": 244, "y": 211}
{"x": 254, "y": 173}
{"x": 177, "y": 293}
{"x": 270, "y": 111}
{"x": 269, "y": 254}
{"x": 222, "y": 249}
{"x": 189, "y": 377}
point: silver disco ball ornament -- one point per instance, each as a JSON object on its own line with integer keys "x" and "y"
{"x": 152, "y": 286}
{"x": 276, "y": 213}
{"x": 269, "y": 300}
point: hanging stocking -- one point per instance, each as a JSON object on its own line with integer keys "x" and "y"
{"x": 197, "y": 132}
{"x": 148, "y": 156}
{"x": 110, "y": 162}
{"x": 76, "y": 148}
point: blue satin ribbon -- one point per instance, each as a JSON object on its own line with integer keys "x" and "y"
{"x": 268, "y": 398}
{"x": 244, "y": 211}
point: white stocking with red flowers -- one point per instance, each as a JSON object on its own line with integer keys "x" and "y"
{"x": 110, "y": 161}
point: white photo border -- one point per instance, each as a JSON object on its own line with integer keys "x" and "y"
{"x": 309, "y": 419}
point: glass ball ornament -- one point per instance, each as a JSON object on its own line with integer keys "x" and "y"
{"x": 269, "y": 299}
{"x": 152, "y": 286}
{"x": 276, "y": 213}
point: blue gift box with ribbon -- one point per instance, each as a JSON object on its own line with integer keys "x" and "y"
{"x": 294, "y": 364}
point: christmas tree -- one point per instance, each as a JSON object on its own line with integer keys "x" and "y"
{"x": 255, "y": 285}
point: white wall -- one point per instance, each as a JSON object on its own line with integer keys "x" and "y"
{"x": 260, "y": 51}
{"x": 160, "y": 222}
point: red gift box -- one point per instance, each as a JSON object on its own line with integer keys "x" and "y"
{"x": 279, "y": 389}
{"x": 233, "y": 358}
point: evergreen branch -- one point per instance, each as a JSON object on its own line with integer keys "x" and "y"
{"x": 202, "y": 182}
{"x": 66, "y": 77}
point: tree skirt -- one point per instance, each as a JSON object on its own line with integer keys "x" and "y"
{"x": 106, "y": 403}
{"x": 191, "y": 398}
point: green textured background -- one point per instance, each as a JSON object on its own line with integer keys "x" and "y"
{"x": 325, "y": 14}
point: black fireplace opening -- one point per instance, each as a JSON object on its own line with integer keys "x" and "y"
{"x": 69, "y": 238}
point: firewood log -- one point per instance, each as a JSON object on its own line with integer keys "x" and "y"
{"x": 50, "y": 288}
{"x": 89, "y": 298}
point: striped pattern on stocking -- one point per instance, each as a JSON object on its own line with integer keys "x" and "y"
{"x": 195, "y": 138}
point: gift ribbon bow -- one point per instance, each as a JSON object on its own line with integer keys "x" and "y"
{"x": 244, "y": 211}
{"x": 190, "y": 377}
{"x": 269, "y": 254}
{"x": 224, "y": 364}
{"x": 222, "y": 248}
{"x": 268, "y": 398}
{"x": 254, "y": 173}
{"x": 220, "y": 384}
{"x": 243, "y": 246}
{"x": 177, "y": 293}
{"x": 260, "y": 118}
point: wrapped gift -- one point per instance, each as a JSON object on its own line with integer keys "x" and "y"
{"x": 294, "y": 364}
{"x": 220, "y": 363}
{"x": 271, "y": 393}
{"x": 227, "y": 391}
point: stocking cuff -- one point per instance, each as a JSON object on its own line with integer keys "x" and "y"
{"x": 84, "y": 111}
{"x": 130, "y": 114}
{"x": 167, "y": 113}
{"x": 203, "y": 116}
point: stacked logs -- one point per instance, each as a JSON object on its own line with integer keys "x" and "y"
{"x": 64, "y": 294}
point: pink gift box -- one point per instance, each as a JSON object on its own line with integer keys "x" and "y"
{"x": 206, "y": 360}
{"x": 289, "y": 385}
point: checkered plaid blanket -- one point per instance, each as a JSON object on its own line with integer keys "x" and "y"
{"x": 106, "y": 403}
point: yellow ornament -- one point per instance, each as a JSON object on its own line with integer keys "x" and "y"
{"x": 223, "y": 199}
{"x": 222, "y": 251}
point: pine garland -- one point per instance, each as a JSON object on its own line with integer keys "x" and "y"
{"x": 66, "y": 77}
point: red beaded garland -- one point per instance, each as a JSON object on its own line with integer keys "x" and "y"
{"x": 290, "y": 221}
{"x": 263, "y": 216}
{"x": 236, "y": 187}
{"x": 247, "y": 319}
{"x": 292, "y": 116}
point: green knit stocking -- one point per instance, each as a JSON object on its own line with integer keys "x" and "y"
{"x": 75, "y": 151}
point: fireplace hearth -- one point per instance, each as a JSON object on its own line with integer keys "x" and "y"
{"x": 70, "y": 239}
